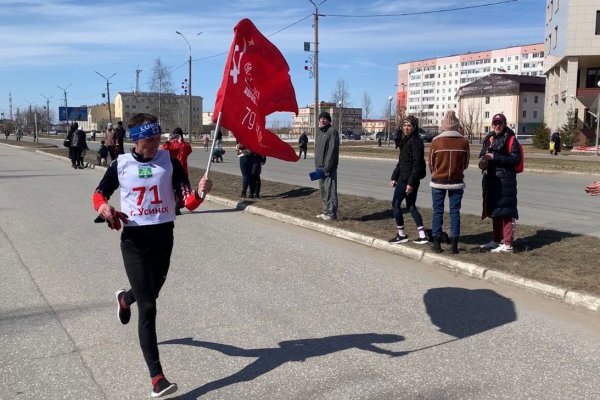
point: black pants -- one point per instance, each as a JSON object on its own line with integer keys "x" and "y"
{"x": 302, "y": 150}
{"x": 147, "y": 256}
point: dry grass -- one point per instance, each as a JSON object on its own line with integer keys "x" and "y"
{"x": 564, "y": 259}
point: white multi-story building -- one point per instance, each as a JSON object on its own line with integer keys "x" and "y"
{"x": 572, "y": 64}
{"x": 428, "y": 88}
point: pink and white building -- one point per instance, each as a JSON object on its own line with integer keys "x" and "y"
{"x": 428, "y": 88}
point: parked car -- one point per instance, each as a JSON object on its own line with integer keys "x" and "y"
{"x": 426, "y": 136}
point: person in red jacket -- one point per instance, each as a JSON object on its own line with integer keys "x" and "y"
{"x": 179, "y": 149}
{"x": 146, "y": 178}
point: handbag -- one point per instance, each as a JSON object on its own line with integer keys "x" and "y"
{"x": 551, "y": 146}
{"x": 67, "y": 143}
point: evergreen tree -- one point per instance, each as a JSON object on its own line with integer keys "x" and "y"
{"x": 569, "y": 130}
{"x": 541, "y": 136}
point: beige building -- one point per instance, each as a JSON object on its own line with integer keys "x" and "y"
{"x": 351, "y": 119}
{"x": 172, "y": 109}
{"x": 572, "y": 63}
{"x": 97, "y": 118}
{"x": 374, "y": 125}
{"x": 520, "y": 98}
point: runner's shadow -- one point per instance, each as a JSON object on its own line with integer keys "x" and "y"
{"x": 300, "y": 192}
{"x": 267, "y": 359}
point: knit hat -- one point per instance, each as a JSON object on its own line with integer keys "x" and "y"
{"x": 450, "y": 122}
{"x": 325, "y": 114}
{"x": 413, "y": 121}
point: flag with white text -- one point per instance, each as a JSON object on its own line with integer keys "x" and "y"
{"x": 256, "y": 83}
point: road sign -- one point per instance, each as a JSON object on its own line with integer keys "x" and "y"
{"x": 73, "y": 113}
{"x": 306, "y": 46}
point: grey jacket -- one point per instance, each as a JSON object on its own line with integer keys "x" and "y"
{"x": 327, "y": 149}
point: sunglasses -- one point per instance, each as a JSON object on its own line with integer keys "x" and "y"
{"x": 496, "y": 123}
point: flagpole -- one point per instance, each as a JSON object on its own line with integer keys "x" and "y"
{"x": 212, "y": 147}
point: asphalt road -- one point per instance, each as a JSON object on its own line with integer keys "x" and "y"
{"x": 257, "y": 309}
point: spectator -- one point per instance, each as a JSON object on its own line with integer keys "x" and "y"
{"x": 179, "y": 149}
{"x": 219, "y": 140}
{"x": 6, "y": 133}
{"x": 102, "y": 158}
{"x": 205, "y": 140}
{"x": 327, "y": 152}
{"x": 257, "y": 162}
{"x": 406, "y": 179}
{"x": 19, "y": 134}
{"x": 500, "y": 184}
{"x": 79, "y": 145}
{"x": 111, "y": 141}
{"x": 120, "y": 135}
{"x": 448, "y": 159}
{"x": 147, "y": 238}
{"x": 69, "y": 143}
{"x": 302, "y": 145}
{"x": 556, "y": 140}
{"x": 246, "y": 160}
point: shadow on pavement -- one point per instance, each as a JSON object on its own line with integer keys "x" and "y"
{"x": 462, "y": 312}
{"x": 267, "y": 359}
{"x": 300, "y": 192}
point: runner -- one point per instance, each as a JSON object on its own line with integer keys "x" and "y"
{"x": 147, "y": 177}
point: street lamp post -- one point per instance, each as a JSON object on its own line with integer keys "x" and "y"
{"x": 316, "y": 64}
{"x": 389, "y": 120}
{"x": 48, "y": 110}
{"x": 597, "y": 120}
{"x": 189, "y": 84}
{"x": 66, "y": 111}
{"x": 107, "y": 93}
{"x": 340, "y": 105}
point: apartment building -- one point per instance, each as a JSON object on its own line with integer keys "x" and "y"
{"x": 520, "y": 98}
{"x": 428, "y": 88}
{"x": 351, "y": 118}
{"x": 171, "y": 109}
{"x": 572, "y": 64}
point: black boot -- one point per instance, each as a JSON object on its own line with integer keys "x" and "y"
{"x": 437, "y": 248}
{"x": 454, "y": 245}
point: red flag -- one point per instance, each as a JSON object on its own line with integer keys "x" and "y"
{"x": 256, "y": 83}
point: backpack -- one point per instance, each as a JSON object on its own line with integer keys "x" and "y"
{"x": 521, "y": 165}
{"x": 511, "y": 139}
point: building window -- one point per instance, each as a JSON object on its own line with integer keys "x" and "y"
{"x": 487, "y": 100}
{"x": 523, "y": 130}
{"x": 555, "y": 37}
{"x": 535, "y": 114}
{"x": 487, "y": 129}
{"x": 487, "y": 114}
{"x": 535, "y": 99}
{"x": 597, "y": 22}
{"x": 524, "y": 114}
{"x": 593, "y": 76}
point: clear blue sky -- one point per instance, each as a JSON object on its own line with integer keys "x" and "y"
{"x": 50, "y": 43}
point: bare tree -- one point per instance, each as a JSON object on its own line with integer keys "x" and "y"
{"x": 161, "y": 78}
{"x": 340, "y": 93}
{"x": 367, "y": 104}
{"x": 469, "y": 119}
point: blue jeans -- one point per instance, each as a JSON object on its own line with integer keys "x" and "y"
{"x": 454, "y": 197}
{"x": 411, "y": 199}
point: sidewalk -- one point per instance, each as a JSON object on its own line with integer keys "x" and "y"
{"x": 571, "y": 297}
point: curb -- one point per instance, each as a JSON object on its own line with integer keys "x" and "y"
{"x": 570, "y": 297}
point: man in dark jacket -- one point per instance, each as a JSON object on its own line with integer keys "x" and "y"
{"x": 302, "y": 145}
{"x": 406, "y": 179}
{"x": 120, "y": 134}
{"x": 327, "y": 151}
{"x": 500, "y": 184}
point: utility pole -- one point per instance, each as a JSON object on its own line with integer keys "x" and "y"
{"x": 189, "y": 84}
{"x": 10, "y": 114}
{"x": 316, "y": 66}
{"x": 107, "y": 93}
{"x": 48, "y": 110}
{"x": 66, "y": 111}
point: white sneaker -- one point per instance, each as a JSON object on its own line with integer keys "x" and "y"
{"x": 489, "y": 246}
{"x": 502, "y": 249}
{"x": 326, "y": 218}
{"x": 421, "y": 241}
{"x": 320, "y": 216}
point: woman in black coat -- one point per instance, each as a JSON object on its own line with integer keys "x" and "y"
{"x": 499, "y": 184}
